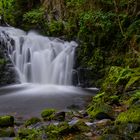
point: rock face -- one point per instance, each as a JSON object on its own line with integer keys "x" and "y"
{"x": 7, "y": 71}
{"x": 55, "y": 8}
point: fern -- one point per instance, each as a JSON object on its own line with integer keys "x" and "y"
{"x": 132, "y": 80}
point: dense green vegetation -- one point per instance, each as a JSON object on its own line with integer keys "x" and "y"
{"x": 108, "y": 33}
{"x": 106, "y": 30}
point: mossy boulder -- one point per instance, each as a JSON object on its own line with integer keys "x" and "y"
{"x": 60, "y": 116}
{"x": 31, "y": 121}
{"x": 7, "y": 132}
{"x": 132, "y": 115}
{"x": 100, "y": 111}
{"x": 48, "y": 114}
{"x": 52, "y": 132}
{"x": 80, "y": 126}
{"x": 31, "y": 134}
{"x": 64, "y": 128}
{"x": 6, "y": 121}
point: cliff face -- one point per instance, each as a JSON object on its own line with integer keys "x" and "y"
{"x": 55, "y": 7}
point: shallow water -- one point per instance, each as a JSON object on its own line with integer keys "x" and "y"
{"x": 29, "y": 99}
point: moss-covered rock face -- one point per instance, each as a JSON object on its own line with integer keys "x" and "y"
{"x": 132, "y": 115}
{"x": 48, "y": 114}
{"x": 31, "y": 121}
{"x": 6, "y": 121}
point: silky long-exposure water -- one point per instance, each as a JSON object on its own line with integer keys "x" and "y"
{"x": 44, "y": 66}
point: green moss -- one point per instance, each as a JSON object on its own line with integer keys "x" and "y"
{"x": 29, "y": 134}
{"x": 116, "y": 80}
{"x": 80, "y": 126}
{"x": 31, "y": 121}
{"x": 64, "y": 128}
{"x": 56, "y": 28}
{"x": 8, "y": 132}
{"x": 129, "y": 101}
{"x": 52, "y": 132}
{"x": 114, "y": 99}
{"x": 132, "y": 99}
{"x": 99, "y": 107}
{"x": 110, "y": 137}
{"x": 126, "y": 130}
{"x": 48, "y": 114}
{"x": 6, "y": 121}
{"x": 80, "y": 137}
{"x": 132, "y": 115}
{"x": 136, "y": 94}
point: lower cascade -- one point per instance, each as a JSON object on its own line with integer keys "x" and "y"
{"x": 39, "y": 59}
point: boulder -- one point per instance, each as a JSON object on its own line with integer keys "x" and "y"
{"x": 6, "y": 121}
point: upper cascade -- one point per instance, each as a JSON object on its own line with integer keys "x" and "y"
{"x": 39, "y": 59}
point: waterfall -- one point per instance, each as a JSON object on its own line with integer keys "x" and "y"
{"x": 39, "y": 59}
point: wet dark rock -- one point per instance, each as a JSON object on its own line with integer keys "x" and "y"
{"x": 84, "y": 113}
{"x": 102, "y": 115}
{"x": 60, "y": 116}
{"x": 8, "y": 73}
{"x": 80, "y": 126}
{"x": 102, "y": 123}
{"x": 73, "y": 121}
{"x": 84, "y": 77}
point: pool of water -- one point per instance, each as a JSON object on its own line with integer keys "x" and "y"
{"x": 29, "y": 99}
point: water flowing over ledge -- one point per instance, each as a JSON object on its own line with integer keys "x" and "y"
{"x": 44, "y": 66}
{"x": 39, "y": 59}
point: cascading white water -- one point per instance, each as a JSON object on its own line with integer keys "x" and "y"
{"x": 39, "y": 59}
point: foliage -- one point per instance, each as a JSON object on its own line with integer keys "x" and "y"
{"x": 99, "y": 107}
{"x": 6, "y": 121}
{"x": 29, "y": 134}
{"x": 7, "y": 132}
{"x": 2, "y": 61}
{"x": 55, "y": 28}
{"x": 116, "y": 78}
{"x": 34, "y": 18}
{"x": 6, "y": 10}
{"x": 132, "y": 115}
{"x": 31, "y": 121}
{"x": 48, "y": 114}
